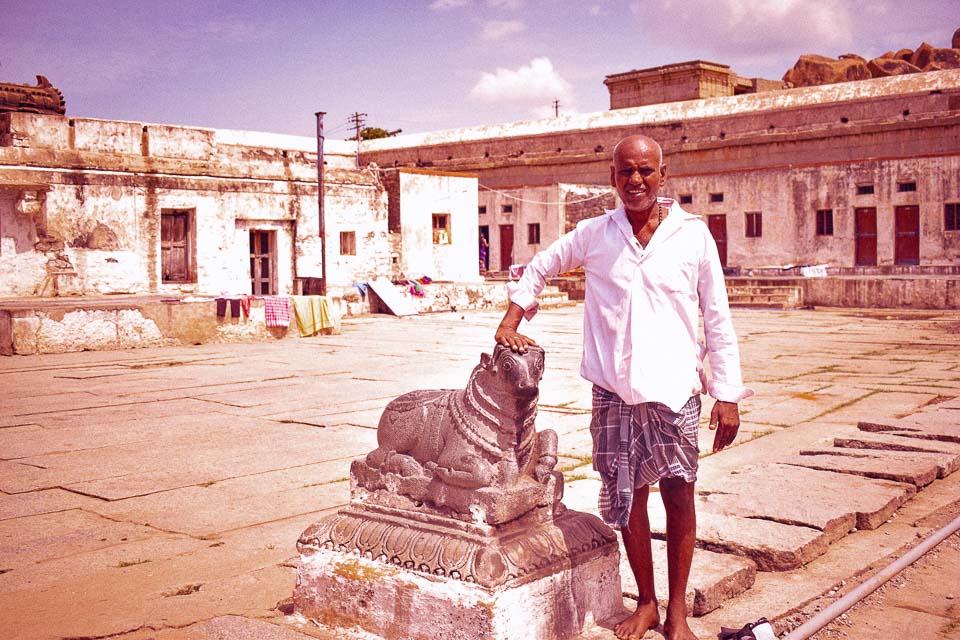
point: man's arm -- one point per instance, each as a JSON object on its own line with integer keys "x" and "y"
{"x": 722, "y": 349}
{"x": 507, "y": 331}
{"x": 562, "y": 255}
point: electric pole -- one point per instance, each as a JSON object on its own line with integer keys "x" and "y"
{"x": 357, "y": 120}
{"x": 556, "y": 107}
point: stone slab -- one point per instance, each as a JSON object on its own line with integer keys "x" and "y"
{"x": 31, "y": 539}
{"x": 933, "y": 426}
{"x": 774, "y": 490}
{"x": 946, "y": 463}
{"x": 771, "y": 545}
{"x": 240, "y": 628}
{"x": 891, "y": 441}
{"x": 36, "y": 502}
{"x": 834, "y": 520}
{"x": 919, "y": 473}
{"x": 714, "y": 577}
{"x": 209, "y": 511}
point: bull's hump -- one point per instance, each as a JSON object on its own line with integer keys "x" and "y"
{"x": 416, "y": 399}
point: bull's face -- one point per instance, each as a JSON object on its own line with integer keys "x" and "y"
{"x": 514, "y": 373}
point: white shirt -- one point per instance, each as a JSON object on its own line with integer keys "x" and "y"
{"x": 641, "y": 307}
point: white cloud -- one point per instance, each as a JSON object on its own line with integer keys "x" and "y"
{"x": 442, "y": 5}
{"x": 505, "y": 4}
{"x": 535, "y": 85}
{"x": 499, "y": 29}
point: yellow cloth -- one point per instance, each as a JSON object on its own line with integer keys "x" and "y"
{"x": 313, "y": 314}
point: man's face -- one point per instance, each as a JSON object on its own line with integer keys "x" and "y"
{"x": 637, "y": 174}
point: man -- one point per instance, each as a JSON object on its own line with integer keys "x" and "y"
{"x": 650, "y": 266}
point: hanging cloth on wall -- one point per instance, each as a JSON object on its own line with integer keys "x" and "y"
{"x": 276, "y": 311}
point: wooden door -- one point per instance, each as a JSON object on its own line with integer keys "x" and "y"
{"x": 865, "y": 233}
{"x": 718, "y": 229}
{"x": 262, "y": 261}
{"x": 506, "y": 246}
{"x": 906, "y": 246}
{"x": 174, "y": 246}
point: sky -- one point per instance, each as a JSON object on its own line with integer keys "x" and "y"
{"x": 416, "y": 66}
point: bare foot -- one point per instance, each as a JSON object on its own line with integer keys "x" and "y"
{"x": 646, "y": 617}
{"x": 676, "y": 628}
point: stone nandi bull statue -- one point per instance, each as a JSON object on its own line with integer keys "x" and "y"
{"x": 472, "y": 453}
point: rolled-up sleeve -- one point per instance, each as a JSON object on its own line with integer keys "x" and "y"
{"x": 726, "y": 381}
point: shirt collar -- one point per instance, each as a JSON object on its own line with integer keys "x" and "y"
{"x": 670, "y": 225}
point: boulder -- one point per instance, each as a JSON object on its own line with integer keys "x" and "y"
{"x": 956, "y": 39}
{"x": 902, "y": 54}
{"x": 811, "y": 70}
{"x": 927, "y": 54}
{"x": 883, "y": 67}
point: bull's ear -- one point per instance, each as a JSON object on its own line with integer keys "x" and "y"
{"x": 486, "y": 360}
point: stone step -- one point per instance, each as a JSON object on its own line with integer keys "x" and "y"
{"x": 767, "y": 296}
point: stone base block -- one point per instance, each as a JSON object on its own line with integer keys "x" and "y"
{"x": 371, "y": 573}
{"x": 348, "y": 592}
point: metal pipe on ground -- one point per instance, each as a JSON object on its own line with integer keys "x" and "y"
{"x": 826, "y": 616}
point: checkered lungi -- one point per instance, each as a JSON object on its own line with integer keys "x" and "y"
{"x": 636, "y": 445}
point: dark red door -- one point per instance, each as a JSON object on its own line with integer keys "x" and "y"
{"x": 506, "y": 246}
{"x": 906, "y": 246}
{"x": 865, "y": 231}
{"x": 718, "y": 229}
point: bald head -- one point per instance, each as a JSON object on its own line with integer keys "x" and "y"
{"x": 631, "y": 145}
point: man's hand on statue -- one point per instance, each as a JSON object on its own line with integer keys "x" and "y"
{"x": 725, "y": 420}
{"x": 510, "y": 338}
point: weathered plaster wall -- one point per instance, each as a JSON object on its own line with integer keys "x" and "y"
{"x": 21, "y": 264}
{"x": 107, "y": 184}
{"x": 784, "y": 153}
{"x": 423, "y": 194}
{"x": 790, "y": 199}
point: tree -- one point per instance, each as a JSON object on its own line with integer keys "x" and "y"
{"x": 373, "y": 133}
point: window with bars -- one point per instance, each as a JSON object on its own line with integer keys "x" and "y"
{"x": 482, "y": 209}
{"x": 951, "y": 216}
{"x": 686, "y": 198}
{"x": 716, "y": 197}
{"x": 824, "y": 222}
{"x": 906, "y": 186}
{"x": 507, "y": 208}
{"x": 864, "y": 189}
{"x": 753, "y": 224}
{"x": 533, "y": 233}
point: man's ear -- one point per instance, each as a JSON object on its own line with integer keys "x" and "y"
{"x": 613, "y": 176}
{"x": 663, "y": 174}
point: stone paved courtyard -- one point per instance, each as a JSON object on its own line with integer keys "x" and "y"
{"x": 159, "y": 493}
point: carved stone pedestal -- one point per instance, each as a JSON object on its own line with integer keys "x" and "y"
{"x": 455, "y": 528}
{"x": 429, "y": 577}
